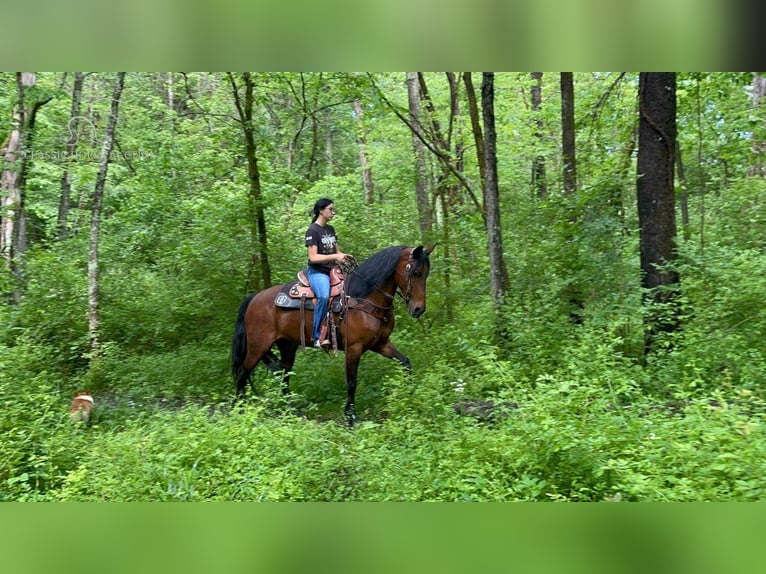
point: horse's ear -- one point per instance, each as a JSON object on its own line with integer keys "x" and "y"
{"x": 428, "y": 251}
{"x": 417, "y": 252}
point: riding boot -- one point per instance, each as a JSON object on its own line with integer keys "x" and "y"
{"x": 324, "y": 340}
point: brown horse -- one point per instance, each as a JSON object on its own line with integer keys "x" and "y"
{"x": 366, "y": 318}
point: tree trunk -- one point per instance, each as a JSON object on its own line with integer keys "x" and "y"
{"x": 448, "y": 195}
{"x": 656, "y": 201}
{"x": 17, "y": 157}
{"x": 498, "y": 275}
{"x": 257, "y": 214}
{"x": 71, "y": 149}
{"x": 683, "y": 196}
{"x": 421, "y": 175}
{"x": 11, "y": 197}
{"x": 538, "y": 164}
{"x": 364, "y": 160}
{"x": 95, "y": 219}
{"x": 473, "y": 112}
{"x": 758, "y": 143}
{"x": 568, "y": 132}
{"x": 574, "y": 290}
{"x": 171, "y": 92}
{"x": 328, "y": 153}
{"x": 701, "y": 168}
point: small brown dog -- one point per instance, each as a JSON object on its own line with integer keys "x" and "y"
{"x": 81, "y": 408}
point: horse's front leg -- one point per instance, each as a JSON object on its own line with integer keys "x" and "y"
{"x": 389, "y": 350}
{"x": 353, "y": 355}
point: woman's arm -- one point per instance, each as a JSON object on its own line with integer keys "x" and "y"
{"x": 316, "y": 257}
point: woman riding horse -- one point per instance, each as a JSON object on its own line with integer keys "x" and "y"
{"x": 366, "y": 318}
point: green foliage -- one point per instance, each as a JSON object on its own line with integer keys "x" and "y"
{"x": 561, "y": 404}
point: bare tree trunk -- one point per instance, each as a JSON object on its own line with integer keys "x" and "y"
{"x": 171, "y": 92}
{"x": 701, "y": 170}
{"x": 568, "y": 132}
{"x": 758, "y": 144}
{"x": 656, "y": 201}
{"x": 17, "y": 157}
{"x": 448, "y": 193}
{"x": 473, "y": 112}
{"x": 497, "y": 271}
{"x": 71, "y": 150}
{"x": 328, "y": 153}
{"x": 684, "y": 194}
{"x": 569, "y": 173}
{"x": 258, "y": 216}
{"x": 364, "y": 160}
{"x": 421, "y": 176}
{"x": 538, "y": 163}
{"x": 11, "y": 197}
{"x": 95, "y": 219}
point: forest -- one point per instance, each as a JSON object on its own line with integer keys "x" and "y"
{"x": 595, "y": 325}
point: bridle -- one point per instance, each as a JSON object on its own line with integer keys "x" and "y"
{"x": 410, "y": 268}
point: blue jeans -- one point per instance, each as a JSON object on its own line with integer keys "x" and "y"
{"x": 320, "y": 285}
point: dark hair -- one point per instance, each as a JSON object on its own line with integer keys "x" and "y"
{"x": 320, "y": 205}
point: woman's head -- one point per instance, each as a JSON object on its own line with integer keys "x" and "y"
{"x": 321, "y": 205}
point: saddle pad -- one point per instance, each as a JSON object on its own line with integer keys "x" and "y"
{"x": 284, "y": 301}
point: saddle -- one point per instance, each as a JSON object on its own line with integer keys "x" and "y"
{"x": 299, "y": 295}
{"x": 303, "y": 289}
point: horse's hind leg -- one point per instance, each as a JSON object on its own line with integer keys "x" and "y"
{"x": 255, "y": 354}
{"x": 242, "y": 379}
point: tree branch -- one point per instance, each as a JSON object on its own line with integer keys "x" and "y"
{"x": 443, "y": 157}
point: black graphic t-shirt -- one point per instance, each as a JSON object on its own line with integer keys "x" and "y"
{"x": 326, "y": 241}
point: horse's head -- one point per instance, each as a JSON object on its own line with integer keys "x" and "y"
{"x": 411, "y": 274}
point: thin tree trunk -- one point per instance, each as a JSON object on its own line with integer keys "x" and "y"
{"x": 71, "y": 150}
{"x": 497, "y": 271}
{"x": 11, "y": 197}
{"x": 656, "y": 202}
{"x": 701, "y": 170}
{"x": 171, "y": 92}
{"x": 94, "y": 319}
{"x": 258, "y": 217}
{"x": 758, "y": 143}
{"x": 683, "y": 196}
{"x": 568, "y": 132}
{"x": 455, "y": 132}
{"x": 473, "y": 112}
{"x": 328, "y": 153}
{"x": 569, "y": 173}
{"x": 449, "y": 193}
{"x": 17, "y": 158}
{"x": 421, "y": 183}
{"x": 538, "y": 163}
{"x": 447, "y": 251}
{"x": 364, "y": 160}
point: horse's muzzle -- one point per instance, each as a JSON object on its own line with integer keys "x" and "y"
{"x": 417, "y": 311}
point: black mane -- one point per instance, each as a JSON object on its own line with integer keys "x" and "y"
{"x": 373, "y": 271}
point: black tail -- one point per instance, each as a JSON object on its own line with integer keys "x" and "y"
{"x": 239, "y": 341}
